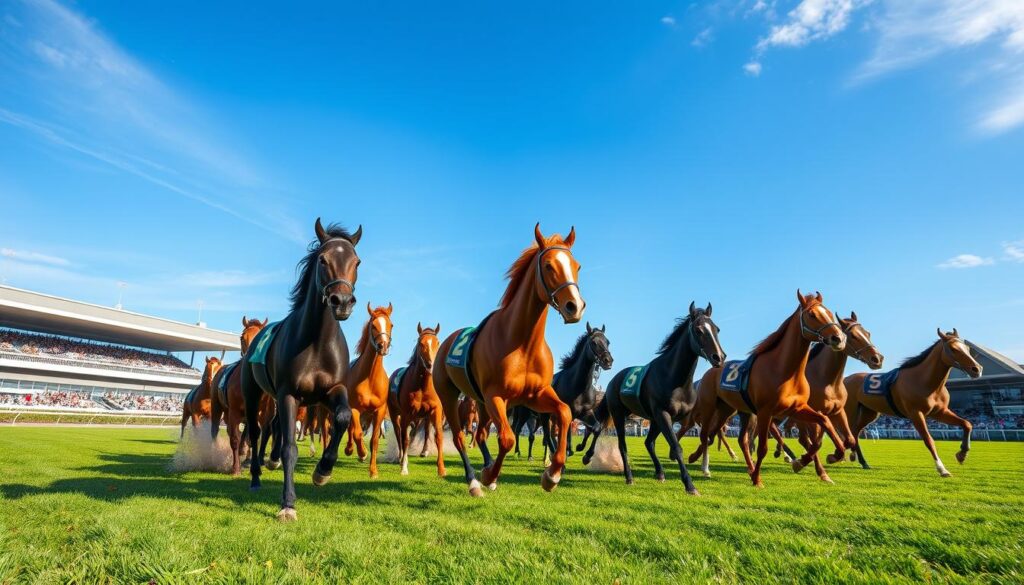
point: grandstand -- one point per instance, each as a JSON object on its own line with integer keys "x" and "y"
{"x": 57, "y": 353}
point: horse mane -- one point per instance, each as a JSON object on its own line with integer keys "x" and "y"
{"x": 577, "y": 350}
{"x": 772, "y": 341}
{"x": 307, "y": 266}
{"x": 673, "y": 337}
{"x": 363, "y": 337}
{"x": 815, "y": 350}
{"x": 520, "y": 269}
{"x": 916, "y": 360}
{"x": 252, "y": 323}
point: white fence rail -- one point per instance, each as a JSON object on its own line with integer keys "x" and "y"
{"x": 937, "y": 434}
{"x": 91, "y": 416}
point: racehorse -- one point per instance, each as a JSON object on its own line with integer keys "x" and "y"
{"x": 510, "y": 363}
{"x": 576, "y": 385}
{"x": 828, "y": 392}
{"x": 470, "y": 417}
{"x": 662, "y": 391}
{"x": 915, "y": 391}
{"x": 776, "y": 384}
{"x": 367, "y": 383}
{"x": 305, "y": 357}
{"x": 229, "y": 403}
{"x": 196, "y": 405}
{"x": 416, "y": 398}
{"x": 522, "y": 416}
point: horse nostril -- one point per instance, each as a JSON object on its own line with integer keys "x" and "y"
{"x": 335, "y": 300}
{"x": 835, "y": 340}
{"x": 570, "y": 307}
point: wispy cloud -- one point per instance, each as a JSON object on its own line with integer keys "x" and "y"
{"x": 961, "y": 261}
{"x": 63, "y": 81}
{"x": 704, "y": 37}
{"x": 1014, "y": 251}
{"x": 31, "y": 257}
{"x": 752, "y": 68}
{"x": 810, "y": 20}
{"x": 668, "y": 20}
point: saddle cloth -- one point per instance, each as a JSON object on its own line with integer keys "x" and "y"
{"x": 461, "y": 353}
{"x": 881, "y": 385}
{"x": 396, "y": 380}
{"x": 736, "y": 378}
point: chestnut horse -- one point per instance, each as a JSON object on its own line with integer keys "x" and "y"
{"x": 306, "y": 359}
{"x": 777, "y": 386}
{"x": 918, "y": 393}
{"x": 196, "y": 405}
{"x": 230, "y": 404}
{"x": 470, "y": 416}
{"x": 828, "y": 391}
{"x": 367, "y": 383}
{"x": 416, "y": 398}
{"x": 510, "y": 362}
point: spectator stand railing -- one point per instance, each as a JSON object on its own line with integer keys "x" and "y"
{"x": 54, "y": 414}
{"x": 100, "y": 364}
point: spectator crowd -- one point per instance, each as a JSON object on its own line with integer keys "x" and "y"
{"x": 132, "y": 401}
{"x": 64, "y": 399}
{"x": 110, "y": 400}
{"x": 38, "y": 345}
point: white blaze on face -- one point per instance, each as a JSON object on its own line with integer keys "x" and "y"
{"x": 561, "y": 258}
{"x": 432, "y": 346}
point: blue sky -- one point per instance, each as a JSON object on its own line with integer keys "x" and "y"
{"x": 726, "y": 151}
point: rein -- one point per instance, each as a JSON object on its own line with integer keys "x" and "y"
{"x": 540, "y": 276}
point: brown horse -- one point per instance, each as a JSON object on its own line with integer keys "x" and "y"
{"x": 828, "y": 391}
{"x": 230, "y": 404}
{"x": 510, "y": 362}
{"x": 470, "y": 417}
{"x": 367, "y": 383}
{"x": 918, "y": 393}
{"x": 777, "y": 385}
{"x": 197, "y": 403}
{"x": 417, "y": 398}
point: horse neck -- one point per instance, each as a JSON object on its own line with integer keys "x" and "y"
{"x": 369, "y": 361}
{"x": 681, "y": 360}
{"x": 581, "y": 371}
{"x": 524, "y": 319}
{"x": 316, "y": 323}
{"x": 830, "y": 364}
{"x": 932, "y": 373}
{"x": 790, "y": 356}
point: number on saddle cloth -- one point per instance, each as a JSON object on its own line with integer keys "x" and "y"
{"x": 881, "y": 385}
{"x": 631, "y": 384}
{"x": 396, "y": 380}
{"x": 736, "y": 378}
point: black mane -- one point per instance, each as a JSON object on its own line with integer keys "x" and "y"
{"x": 815, "y": 350}
{"x": 577, "y": 350}
{"x": 307, "y": 266}
{"x": 917, "y": 359}
{"x": 670, "y": 341}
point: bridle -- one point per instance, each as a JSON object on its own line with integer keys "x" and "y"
{"x": 695, "y": 343}
{"x": 540, "y": 276}
{"x": 867, "y": 346}
{"x": 376, "y": 345}
{"x": 817, "y": 332}
{"x": 952, "y": 357}
{"x": 419, "y": 356}
{"x": 323, "y": 288}
{"x": 591, "y": 348}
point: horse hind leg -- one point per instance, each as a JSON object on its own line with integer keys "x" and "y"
{"x": 951, "y": 418}
{"x": 496, "y": 408}
{"x": 649, "y": 442}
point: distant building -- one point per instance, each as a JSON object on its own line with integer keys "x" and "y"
{"x": 999, "y": 391}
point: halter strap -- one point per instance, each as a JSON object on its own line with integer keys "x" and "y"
{"x": 956, "y": 362}
{"x": 817, "y": 332}
{"x": 868, "y": 346}
{"x": 323, "y": 288}
{"x": 694, "y": 345}
{"x": 540, "y": 276}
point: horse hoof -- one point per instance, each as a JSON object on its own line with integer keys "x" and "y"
{"x": 485, "y": 476}
{"x": 374, "y": 475}
{"x": 404, "y": 472}
{"x": 629, "y": 481}
{"x": 825, "y": 478}
{"x": 693, "y": 492}
{"x": 961, "y": 456}
{"x": 693, "y": 457}
{"x": 945, "y": 473}
{"x": 798, "y": 466}
{"x": 549, "y": 483}
{"x": 660, "y": 477}
{"x": 530, "y": 458}
{"x": 734, "y": 458}
{"x": 707, "y": 474}
{"x": 287, "y": 515}
{"x": 475, "y": 489}
{"x": 787, "y": 459}
{"x": 758, "y": 484}
{"x": 586, "y": 460}
{"x": 273, "y": 465}
{"x": 442, "y": 473}
{"x": 319, "y": 480}
{"x": 776, "y": 454}
{"x": 492, "y": 486}
{"x": 853, "y": 456}
{"x": 832, "y": 458}
{"x": 348, "y": 451}
{"x": 254, "y": 488}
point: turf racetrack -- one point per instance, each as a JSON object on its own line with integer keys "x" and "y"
{"x": 98, "y": 505}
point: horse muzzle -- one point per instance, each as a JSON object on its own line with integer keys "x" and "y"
{"x": 341, "y": 305}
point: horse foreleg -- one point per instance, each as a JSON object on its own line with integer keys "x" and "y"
{"x": 921, "y": 425}
{"x": 548, "y": 402}
{"x": 378, "y": 423}
{"x": 744, "y": 440}
{"x": 341, "y": 419}
{"x": 949, "y": 417}
{"x": 780, "y": 443}
{"x": 287, "y": 408}
{"x": 649, "y": 443}
{"x": 722, "y": 440}
{"x": 764, "y": 424}
{"x": 808, "y": 415}
{"x": 439, "y": 440}
{"x": 235, "y": 440}
{"x": 495, "y": 407}
{"x": 426, "y": 437}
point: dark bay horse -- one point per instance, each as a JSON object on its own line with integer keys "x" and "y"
{"x": 230, "y": 405}
{"x": 416, "y": 398}
{"x": 665, "y": 394}
{"x": 367, "y": 383}
{"x": 824, "y": 372}
{"x": 524, "y": 417}
{"x": 918, "y": 393}
{"x": 510, "y": 360}
{"x": 469, "y": 416}
{"x": 307, "y": 357}
{"x": 777, "y": 386}
{"x": 196, "y": 405}
{"x": 576, "y": 381}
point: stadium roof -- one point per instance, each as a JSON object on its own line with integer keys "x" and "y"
{"x": 33, "y": 311}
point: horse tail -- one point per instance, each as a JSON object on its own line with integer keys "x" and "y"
{"x": 601, "y": 413}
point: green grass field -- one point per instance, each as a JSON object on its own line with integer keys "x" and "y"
{"x": 99, "y": 505}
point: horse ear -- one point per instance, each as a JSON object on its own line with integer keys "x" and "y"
{"x": 817, "y": 295}
{"x": 604, "y": 328}
{"x": 589, "y": 328}
{"x": 707, "y": 311}
{"x": 955, "y": 333}
{"x": 358, "y": 235}
{"x": 853, "y": 316}
{"x": 800, "y": 298}
{"x": 368, "y": 309}
{"x": 939, "y": 331}
{"x": 571, "y": 238}
{"x": 419, "y": 328}
{"x": 693, "y": 309}
{"x": 437, "y": 328}
{"x": 537, "y": 235}
{"x": 321, "y": 233}
{"x": 245, "y": 321}
{"x": 390, "y": 308}
{"x": 265, "y": 321}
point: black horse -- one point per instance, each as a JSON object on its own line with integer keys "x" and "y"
{"x": 576, "y": 385}
{"x": 524, "y": 417}
{"x": 666, "y": 393}
{"x": 307, "y": 357}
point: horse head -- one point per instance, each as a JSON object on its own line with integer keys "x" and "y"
{"x": 858, "y": 342}
{"x": 956, "y": 354}
{"x": 817, "y": 322}
{"x": 558, "y": 274}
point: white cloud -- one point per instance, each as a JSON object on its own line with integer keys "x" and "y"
{"x": 703, "y": 38}
{"x": 33, "y": 257}
{"x": 811, "y": 20}
{"x": 966, "y": 261}
{"x": 1014, "y": 251}
{"x": 90, "y": 96}
{"x": 753, "y": 68}
{"x": 668, "y": 20}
